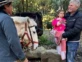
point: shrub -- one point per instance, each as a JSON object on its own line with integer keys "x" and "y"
{"x": 49, "y": 26}
{"x": 43, "y": 40}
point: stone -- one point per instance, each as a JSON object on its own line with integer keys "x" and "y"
{"x": 35, "y": 53}
{"x": 50, "y": 56}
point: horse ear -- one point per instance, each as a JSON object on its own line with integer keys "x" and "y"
{"x": 28, "y": 21}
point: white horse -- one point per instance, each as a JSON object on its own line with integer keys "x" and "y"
{"x": 26, "y": 30}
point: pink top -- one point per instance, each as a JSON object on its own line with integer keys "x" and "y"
{"x": 60, "y": 27}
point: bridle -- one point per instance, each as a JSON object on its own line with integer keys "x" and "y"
{"x": 30, "y": 39}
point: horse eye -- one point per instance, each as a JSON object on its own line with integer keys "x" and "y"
{"x": 34, "y": 32}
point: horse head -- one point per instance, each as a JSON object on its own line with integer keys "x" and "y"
{"x": 26, "y": 31}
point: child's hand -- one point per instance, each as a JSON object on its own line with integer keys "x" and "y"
{"x": 58, "y": 23}
{"x": 61, "y": 21}
{"x": 64, "y": 21}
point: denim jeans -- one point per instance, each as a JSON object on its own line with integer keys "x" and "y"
{"x": 71, "y": 51}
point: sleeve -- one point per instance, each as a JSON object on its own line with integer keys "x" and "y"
{"x": 74, "y": 31}
{"x": 12, "y": 37}
{"x": 64, "y": 21}
{"x": 55, "y": 23}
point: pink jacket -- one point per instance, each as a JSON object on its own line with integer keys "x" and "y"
{"x": 61, "y": 27}
{"x": 61, "y": 48}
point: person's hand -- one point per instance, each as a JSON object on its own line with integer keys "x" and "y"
{"x": 26, "y": 60}
{"x": 61, "y": 21}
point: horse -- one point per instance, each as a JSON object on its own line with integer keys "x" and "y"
{"x": 37, "y": 16}
{"x": 26, "y": 31}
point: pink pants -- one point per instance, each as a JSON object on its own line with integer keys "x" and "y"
{"x": 61, "y": 44}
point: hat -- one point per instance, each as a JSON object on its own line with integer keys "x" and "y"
{"x": 3, "y": 2}
{"x": 76, "y": 2}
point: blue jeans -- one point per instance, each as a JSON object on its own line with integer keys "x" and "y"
{"x": 71, "y": 51}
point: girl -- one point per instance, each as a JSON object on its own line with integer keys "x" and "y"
{"x": 59, "y": 26}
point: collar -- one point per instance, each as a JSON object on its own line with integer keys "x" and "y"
{"x": 73, "y": 14}
{"x": 2, "y": 11}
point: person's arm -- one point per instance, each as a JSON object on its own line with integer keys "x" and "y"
{"x": 74, "y": 31}
{"x": 12, "y": 37}
{"x": 55, "y": 22}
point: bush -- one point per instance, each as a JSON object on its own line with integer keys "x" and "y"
{"x": 43, "y": 40}
{"x": 49, "y": 26}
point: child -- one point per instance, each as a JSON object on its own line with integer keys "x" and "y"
{"x": 59, "y": 27}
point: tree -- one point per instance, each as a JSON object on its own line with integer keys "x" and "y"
{"x": 48, "y": 8}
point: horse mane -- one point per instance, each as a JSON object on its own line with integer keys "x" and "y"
{"x": 19, "y": 19}
{"x": 26, "y": 31}
{"x": 37, "y": 18}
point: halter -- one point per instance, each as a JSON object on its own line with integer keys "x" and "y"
{"x": 29, "y": 39}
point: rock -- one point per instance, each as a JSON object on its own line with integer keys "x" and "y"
{"x": 52, "y": 46}
{"x": 36, "y": 53}
{"x": 50, "y": 56}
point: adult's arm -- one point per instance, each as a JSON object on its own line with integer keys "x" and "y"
{"x": 74, "y": 31}
{"x": 12, "y": 37}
